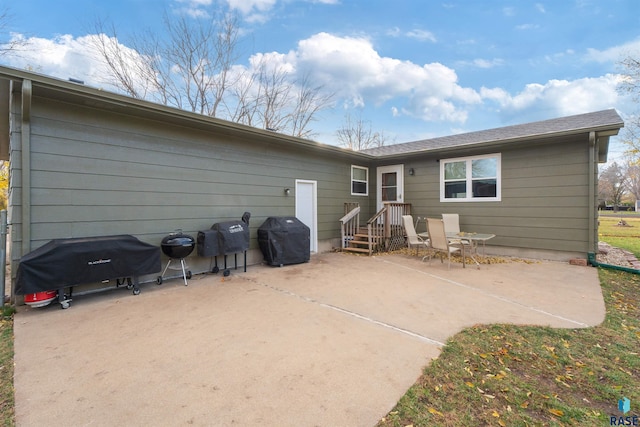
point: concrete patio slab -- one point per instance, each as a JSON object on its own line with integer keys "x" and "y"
{"x": 336, "y": 341}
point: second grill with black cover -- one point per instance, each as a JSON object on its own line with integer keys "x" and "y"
{"x": 224, "y": 238}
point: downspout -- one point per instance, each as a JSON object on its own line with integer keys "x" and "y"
{"x": 593, "y": 228}
{"x": 26, "y": 166}
{"x": 591, "y": 256}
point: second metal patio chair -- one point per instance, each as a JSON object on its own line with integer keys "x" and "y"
{"x": 439, "y": 242}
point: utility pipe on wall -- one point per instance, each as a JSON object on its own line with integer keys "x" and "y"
{"x": 3, "y": 253}
{"x": 593, "y": 205}
{"x": 25, "y": 147}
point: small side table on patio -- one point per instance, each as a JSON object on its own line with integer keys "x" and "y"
{"x": 474, "y": 239}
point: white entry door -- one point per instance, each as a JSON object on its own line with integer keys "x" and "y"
{"x": 307, "y": 208}
{"x": 390, "y": 184}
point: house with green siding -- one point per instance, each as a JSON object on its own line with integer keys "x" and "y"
{"x": 86, "y": 162}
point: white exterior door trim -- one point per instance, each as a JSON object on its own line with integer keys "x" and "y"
{"x": 399, "y": 170}
{"x": 307, "y": 210}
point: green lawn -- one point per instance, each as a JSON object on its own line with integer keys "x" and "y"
{"x": 504, "y": 375}
{"x": 6, "y": 366}
{"x": 627, "y": 237}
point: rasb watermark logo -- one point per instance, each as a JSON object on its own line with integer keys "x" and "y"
{"x": 624, "y": 406}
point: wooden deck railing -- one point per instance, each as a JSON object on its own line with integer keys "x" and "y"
{"x": 385, "y": 227}
{"x": 385, "y": 231}
{"x": 394, "y": 230}
{"x": 350, "y": 223}
{"x": 376, "y": 229}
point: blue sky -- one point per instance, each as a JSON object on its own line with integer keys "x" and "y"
{"x": 414, "y": 68}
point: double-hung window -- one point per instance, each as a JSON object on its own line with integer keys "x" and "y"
{"x": 359, "y": 181}
{"x": 469, "y": 179}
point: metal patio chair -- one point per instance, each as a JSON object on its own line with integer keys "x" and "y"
{"x": 439, "y": 243}
{"x": 412, "y": 237}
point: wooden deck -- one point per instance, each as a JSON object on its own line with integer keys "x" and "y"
{"x": 383, "y": 232}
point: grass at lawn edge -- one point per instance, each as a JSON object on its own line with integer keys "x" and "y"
{"x": 506, "y": 375}
{"x": 7, "y": 406}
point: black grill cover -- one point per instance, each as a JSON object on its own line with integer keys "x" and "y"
{"x": 233, "y": 236}
{"x": 284, "y": 240}
{"x": 69, "y": 262}
{"x": 207, "y": 243}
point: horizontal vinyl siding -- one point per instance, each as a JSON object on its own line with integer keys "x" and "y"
{"x": 545, "y": 197}
{"x": 98, "y": 173}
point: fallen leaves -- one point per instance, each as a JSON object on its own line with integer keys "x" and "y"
{"x": 434, "y": 411}
{"x": 557, "y": 412}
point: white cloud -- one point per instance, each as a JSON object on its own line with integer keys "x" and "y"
{"x": 483, "y": 63}
{"x": 394, "y": 32}
{"x": 421, "y": 35}
{"x": 253, "y": 10}
{"x": 62, "y": 57}
{"x": 560, "y": 97}
{"x": 196, "y": 3}
{"x": 195, "y": 8}
{"x": 525, "y": 27}
{"x": 417, "y": 34}
{"x": 615, "y": 53}
{"x": 67, "y": 57}
{"x": 540, "y": 8}
{"x": 354, "y": 69}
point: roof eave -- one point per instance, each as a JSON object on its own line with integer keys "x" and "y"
{"x": 601, "y": 131}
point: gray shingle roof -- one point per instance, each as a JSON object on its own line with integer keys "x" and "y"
{"x": 596, "y": 121}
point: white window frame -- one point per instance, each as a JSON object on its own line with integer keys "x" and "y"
{"x": 366, "y": 169}
{"x": 469, "y": 179}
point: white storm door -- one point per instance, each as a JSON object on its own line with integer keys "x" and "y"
{"x": 307, "y": 209}
{"x": 390, "y": 184}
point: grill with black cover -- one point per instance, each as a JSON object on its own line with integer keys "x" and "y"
{"x": 65, "y": 263}
{"x": 284, "y": 240}
{"x": 229, "y": 237}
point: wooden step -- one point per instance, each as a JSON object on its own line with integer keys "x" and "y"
{"x": 360, "y": 242}
{"x": 360, "y": 250}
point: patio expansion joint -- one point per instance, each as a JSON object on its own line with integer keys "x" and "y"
{"x": 488, "y": 294}
{"x": 350, "y": 313}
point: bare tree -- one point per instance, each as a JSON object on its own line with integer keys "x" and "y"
{"x": 193, "y": 66}
{"x": 613, "y": 184}
{"x": 12, "y": 44}
{"x": 271, "y": 97}
{"x": 127, "y": 71}
{"x": 357, "y": 134}
{"x": 201, "y": 53}
{"x": 187, "y": 68}
{"x": 631, "y": 77}
{"x": 310, "y": 100}
{"x": 631, "y": 85}
{"x": 633, "y": 179}
{"x": 274, "y": 97}
{"x": 242, "y": 104}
